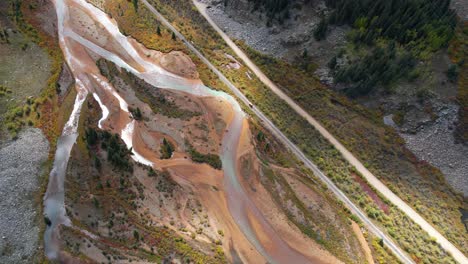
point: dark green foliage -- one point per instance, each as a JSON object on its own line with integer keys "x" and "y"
{"x": 136, "y": 235}
{"x": 47, "y": 221}
{"x": 320, "y": 32}
{"x": 274, "y": 9}
{"x": 452, "y": 73}
{"x": 416, "y": 27}
{"x": 152, "y": 172}
{"x": 379, "y": 68}
{"x": 97, "y": 162}
{"x": 260, "y": 136}
{"x": 158, "y": 31}
{"x": 91, "y": 137}
{"x": 210, "y": 159}
{"x": 4, "y": 91}
{"x": 173, "y": 36}
{"x": 381, "y": 243}
{"x": 16, "y": 7}
{"x": 117, "y": 153}
{"x": 429, "y": 22}
{"x": 4, "y": 37}
{"x": 135, "y": 4}
{"x": 166, "y": 149}
{"x": 332, "y": 63}
{"x": 136, "y": 113}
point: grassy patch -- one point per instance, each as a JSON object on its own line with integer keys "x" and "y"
{"x": 44, "y": 105}
{"x": 211, "y": 159}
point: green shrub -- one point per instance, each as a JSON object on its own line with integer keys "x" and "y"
{"x": 210, "y": 159}
{"x": 166, "y": 149}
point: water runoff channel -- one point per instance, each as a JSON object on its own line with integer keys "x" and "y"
{"x": 240, "y": 206}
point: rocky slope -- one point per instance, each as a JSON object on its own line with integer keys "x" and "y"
{"x": 419, "y": 104}
{"x": 21, "y": 166}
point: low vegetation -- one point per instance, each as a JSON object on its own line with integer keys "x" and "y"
{"x": 4, "y": 91}
{"x": 167, "y": 148}
{"x": 44, "y": 109}
{"x": 117, "y": 153}
{"x": 106, "y": 201}
{"x": 458, "y": 51}
{"x": 38, "y": 109}
{"x": 148, "y": 94}
{"x": 211, "y": 159}
{"x": 322, "y": 153}
{"x": 380, "y": 148}
{"x": 310, "y": 220}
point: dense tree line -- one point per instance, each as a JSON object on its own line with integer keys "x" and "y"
{"x": 117, "y": 153}
{"x": 274, "y": 9}
{"x": 379, "y": 68}
{"x": 406, "y": 21}
{"x": 404, "y": 30}
{"x": 410, "y": 30}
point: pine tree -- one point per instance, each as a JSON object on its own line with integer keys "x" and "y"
{"x": 158, "y": 31}
{"x": 320, "y": 31}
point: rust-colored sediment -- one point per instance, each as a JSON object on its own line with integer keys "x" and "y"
{"x": 199, "y": 177}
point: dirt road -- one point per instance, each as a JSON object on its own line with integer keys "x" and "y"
{"x": 376, "y": 183}
{"x": 268, "y": 124}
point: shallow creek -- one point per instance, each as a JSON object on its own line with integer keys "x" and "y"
{"x": 242, "y": 209}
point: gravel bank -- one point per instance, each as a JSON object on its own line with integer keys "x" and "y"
{"x": 461, "y": 8}
{"x": 286, "y": 41}
{"x": 20, "y": 166}
{"x": 435, "y": 143}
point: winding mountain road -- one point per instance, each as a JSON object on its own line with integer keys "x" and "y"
{"x": 377, "y": 184}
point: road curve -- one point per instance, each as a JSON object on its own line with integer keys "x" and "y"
{"x": 376, "y": 183}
